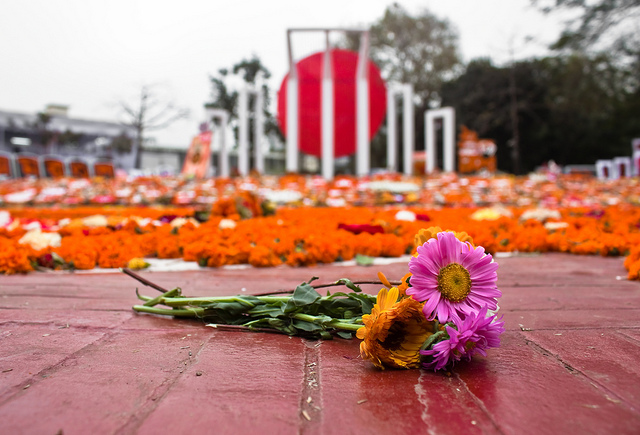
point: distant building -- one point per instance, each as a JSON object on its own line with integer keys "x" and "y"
{"x": 53, "y": 132}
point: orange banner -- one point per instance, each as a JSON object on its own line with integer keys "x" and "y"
{"x": 79, "y": 169}
{"x": 104, "y": 169}
{"x": 5, "y": 166}
{"x": 29, "y": 166}
{"x": 54, "y": 168}
{"x": 198, "y": 157}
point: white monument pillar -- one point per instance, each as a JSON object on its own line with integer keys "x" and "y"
{"x": 408, "y": 128}
{"x": 327, "y": 114}
{"x": 392, "y": 152}
{"x": 291, "y": 163}
{"x": 605, "y": 170}
{"x": 363, "y": 148}
{"x": 622, "y": 167}
{"x": 406, "y": 91}
{"x": 448, "y": 127}
{"x": 258, "y": 133}
{"x": 243, "y": 134}
{"x": 223, "y": 155}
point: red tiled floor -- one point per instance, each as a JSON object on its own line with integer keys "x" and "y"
{"x": 75, "y": 358}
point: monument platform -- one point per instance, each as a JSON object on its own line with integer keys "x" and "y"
{"x": 75, "y": 359}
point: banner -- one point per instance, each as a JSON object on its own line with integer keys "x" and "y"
{"x": 53, "y": 168}
{"x": 79, "y": 169}
{"x": 198, "y": 158}
{"x": 5, "y": 166}
{"x": 104, "y": 169}
{"x": 29, "y": 166}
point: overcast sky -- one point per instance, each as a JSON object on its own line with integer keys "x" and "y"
{"x": 89, "y": 54}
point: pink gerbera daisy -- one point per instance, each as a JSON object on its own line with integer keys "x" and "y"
{"x": 454, "y": 278}
{"x": 475, "y": 334}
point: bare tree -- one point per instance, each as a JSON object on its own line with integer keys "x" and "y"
{"x": 148, "y": 113}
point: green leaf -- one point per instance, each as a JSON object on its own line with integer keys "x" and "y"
{"x": 266, "y": 310}
{"x": 303, "y": 295}
{"x": 366, "y": 301}
{"x": 346, "y": 335}
{"x": 306, "y": 326}
{"x": 364, "y": 260}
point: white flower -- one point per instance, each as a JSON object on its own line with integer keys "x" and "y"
{"x": 39, "y": 240}
{"x": 406, "y": 215}
{"x": 540, "y": 214}
{"x": 95, "y": 221}
{"x": 178, "y": 222}
{"x": 227, "y": 224}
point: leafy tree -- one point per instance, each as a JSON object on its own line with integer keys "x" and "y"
{"x": 596, "y": 20}
{"x": 602, "y": 26}
{"x": 149, "y": 112}
{"x": 571, "y": 109}
{"x": 224, "y": 94}
{"x": 421, "y": 50}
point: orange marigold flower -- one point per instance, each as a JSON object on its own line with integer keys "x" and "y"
{"x": 394, "y": 331}
{"x": 426, "y": 234}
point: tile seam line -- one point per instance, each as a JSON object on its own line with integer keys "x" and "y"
{"x": 628, "y": 337}
{"x": 37, "y": 377}
{"x": 136, "y": 420}
{"x": 571, "y": 369}
{"x": 479, "y": 403}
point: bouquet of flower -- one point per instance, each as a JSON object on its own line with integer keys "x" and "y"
{"x": 441, "y": 312}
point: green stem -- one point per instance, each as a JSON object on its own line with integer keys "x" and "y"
{"x": 206, "y": 300}
{"x": 346, "y": 326}
{"x": 334, "y": 323}
{"x": 160, "y": 299}
{"x": 189, "y": 312}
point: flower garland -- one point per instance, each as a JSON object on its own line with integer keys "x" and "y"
{"x": 432, "y": 318}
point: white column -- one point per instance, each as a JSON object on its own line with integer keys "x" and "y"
{"x": 392, "y": 151}
{"x": 430, "y": 139}
{"x": 258, "y": 138}
{"x": 604, "y": 169}
{"x": 243, "y": 135}
{"x": 622, "y": 167}
{"x": 363, "y": 150}
{"x": 449, "y": 135}
{"x": 327, "y": 115}
{"x": 407, "y": 123}
{"x": 292, "y": 124}
{"x": 449, "y": 139}
{"x": 223, "y": 156}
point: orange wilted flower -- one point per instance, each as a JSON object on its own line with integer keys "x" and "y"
{"x": 394, "y": 331}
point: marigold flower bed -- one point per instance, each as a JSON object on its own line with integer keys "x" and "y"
{"x": 299, "y": 236}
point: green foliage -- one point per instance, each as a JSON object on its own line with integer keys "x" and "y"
{"x": 573, "y": 109}
{"x": 223, "y": 96}
{"x": 305, "y": 312}
{"x": 421, "y": 50}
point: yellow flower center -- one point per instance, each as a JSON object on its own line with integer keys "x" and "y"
{"x": 454, "y": 282}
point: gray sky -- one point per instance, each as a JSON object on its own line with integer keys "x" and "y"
{"x": 89, "y": 54}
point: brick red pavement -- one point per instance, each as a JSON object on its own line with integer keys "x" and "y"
{"x": 75, "y": 359}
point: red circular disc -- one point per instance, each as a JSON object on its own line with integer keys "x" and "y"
{"x": 344, "y": 64}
